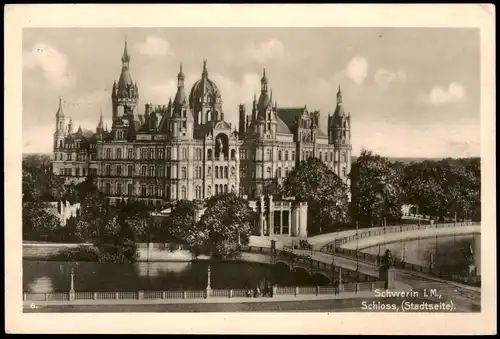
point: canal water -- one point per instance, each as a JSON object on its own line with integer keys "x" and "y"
{"x": 449, "y": 253}
{"x": 50, "y": 276}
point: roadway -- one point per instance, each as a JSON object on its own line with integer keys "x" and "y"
{"x": 467, "y": 298}
{"x": 362, "y": 243}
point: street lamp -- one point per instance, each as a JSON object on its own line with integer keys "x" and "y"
{"x": 357, "y": 252}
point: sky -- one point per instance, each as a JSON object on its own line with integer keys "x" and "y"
{"x": 411, "y": 92}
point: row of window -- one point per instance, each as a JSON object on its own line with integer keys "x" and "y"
{"x": 221, "y": 172}
{"x": 159, "y": 154}
{"x": 160, "y": 192}
{"x": 69, "y": 172}
{"x": 79, "y": 157}
{"x": 73, "y": 146}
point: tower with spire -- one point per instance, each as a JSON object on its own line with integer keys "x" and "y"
{"x": 181, "y": 117}
{"x": 263, "y": 112}
{"x": 60, "y": 127}
{"x": 339, "y": 135}
{"x": 125, "y": 98}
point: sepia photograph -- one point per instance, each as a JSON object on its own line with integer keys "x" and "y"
{"x": 256, "y": 169}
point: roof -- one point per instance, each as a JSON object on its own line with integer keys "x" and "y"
{"x": 288, "y": 115}
{"x": 281, "y": 127}
{"x": 201, "y": 88}
{"x": 125, "y": 80}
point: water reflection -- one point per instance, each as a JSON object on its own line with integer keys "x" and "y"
{"x": 447, "y": 252}
{"x": 46, "y": 276}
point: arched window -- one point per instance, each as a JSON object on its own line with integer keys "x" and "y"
{"x": 119, "y": 189}
{"x": 225, "y": 172}
{"x": 209, "y": 191}
{"x": 293, "y": 155}
{"x": 216, "y": 175}
{"x": 60, "y": 144}
{"x": 225, "y": 188}
{"x": 286, "y": 171}
{"x": 209, "y": 171}
{"x": 268, "y": 154}
{"x": 160, "y": 192}
{"x": 118, "y": 153}
{"x": 209, "y": 116}
{"x": 216, "y": 189}
{"x": 232, "y": 189}
{"x": 320, "y": 158}
{"x": 198, "y": 192}
{"x": 278, "y": 172}
{"x": 209, "y": 154}
{"x": 233, "y": 171}
{"x": 286, "y": 155}
{"x": 280, "y": 155}
{"x": 268, "y": 170}
{"x": 183, "y": 193}
{"x": 233, "y": 154}
{"x": 183, "y": 173}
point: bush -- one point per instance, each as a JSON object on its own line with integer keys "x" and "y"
{"x": 125, "y": 253}
{"x": 80, "y": 253}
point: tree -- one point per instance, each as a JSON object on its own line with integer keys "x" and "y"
{"x": 226, "y": 223}
{"x": 182, "y": 220}
{"x": 376, "y": 186}
{"x": 38, "y": 220}
{"x": 324, "y": 191}
{"x": 445, "y": 188}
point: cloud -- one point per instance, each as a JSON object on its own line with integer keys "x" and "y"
{"x": 357, "y": 69}
{"x": 383, "y": 77}
{"x": 267, "y": 51}
{"x": 52, "y": 62}
{"x": 438, "y": 96}
{"x": 154, "y": 46}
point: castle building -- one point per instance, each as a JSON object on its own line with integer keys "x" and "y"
{"x": 186, "y": 150}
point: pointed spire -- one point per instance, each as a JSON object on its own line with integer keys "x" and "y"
{"x": 125, "y": 57}
{"x": 180, "y": 77}
{"x": 339, "y": 96}
{"x": 100, "y": 125}
{"x": 263, "y": 82}
{"x": 59, "y": 109}
{"x": 205, "y": 71}
{"x": 254, "y": 97}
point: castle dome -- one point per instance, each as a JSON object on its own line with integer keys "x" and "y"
{"x": 204, "y": 89}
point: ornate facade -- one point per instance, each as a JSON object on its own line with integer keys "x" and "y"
{"x": 186, "y": 150}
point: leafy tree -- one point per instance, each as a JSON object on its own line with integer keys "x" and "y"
{"x": 38, "y": 220}
{"x": 325, "y": 193}
{"x": 445, "y": 188}
{"x": 226, "y": 222}
{"x": 376, "y": 186}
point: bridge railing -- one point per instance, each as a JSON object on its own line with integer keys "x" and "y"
{"x": 364, "y": 233}
{"x": 306, "y": 262}
{"x": 341, "y": 290}
{"x": 400, "y": 264}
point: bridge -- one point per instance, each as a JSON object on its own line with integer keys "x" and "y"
{"x": 327, "y": 250}
{"x": 319, "y": 266}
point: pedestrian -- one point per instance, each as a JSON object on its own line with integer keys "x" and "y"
{"x": 336, "y": 287}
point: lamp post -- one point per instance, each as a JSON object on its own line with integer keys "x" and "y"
{"x": 357, "y": 252}
{"x": 209, "y": 288}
